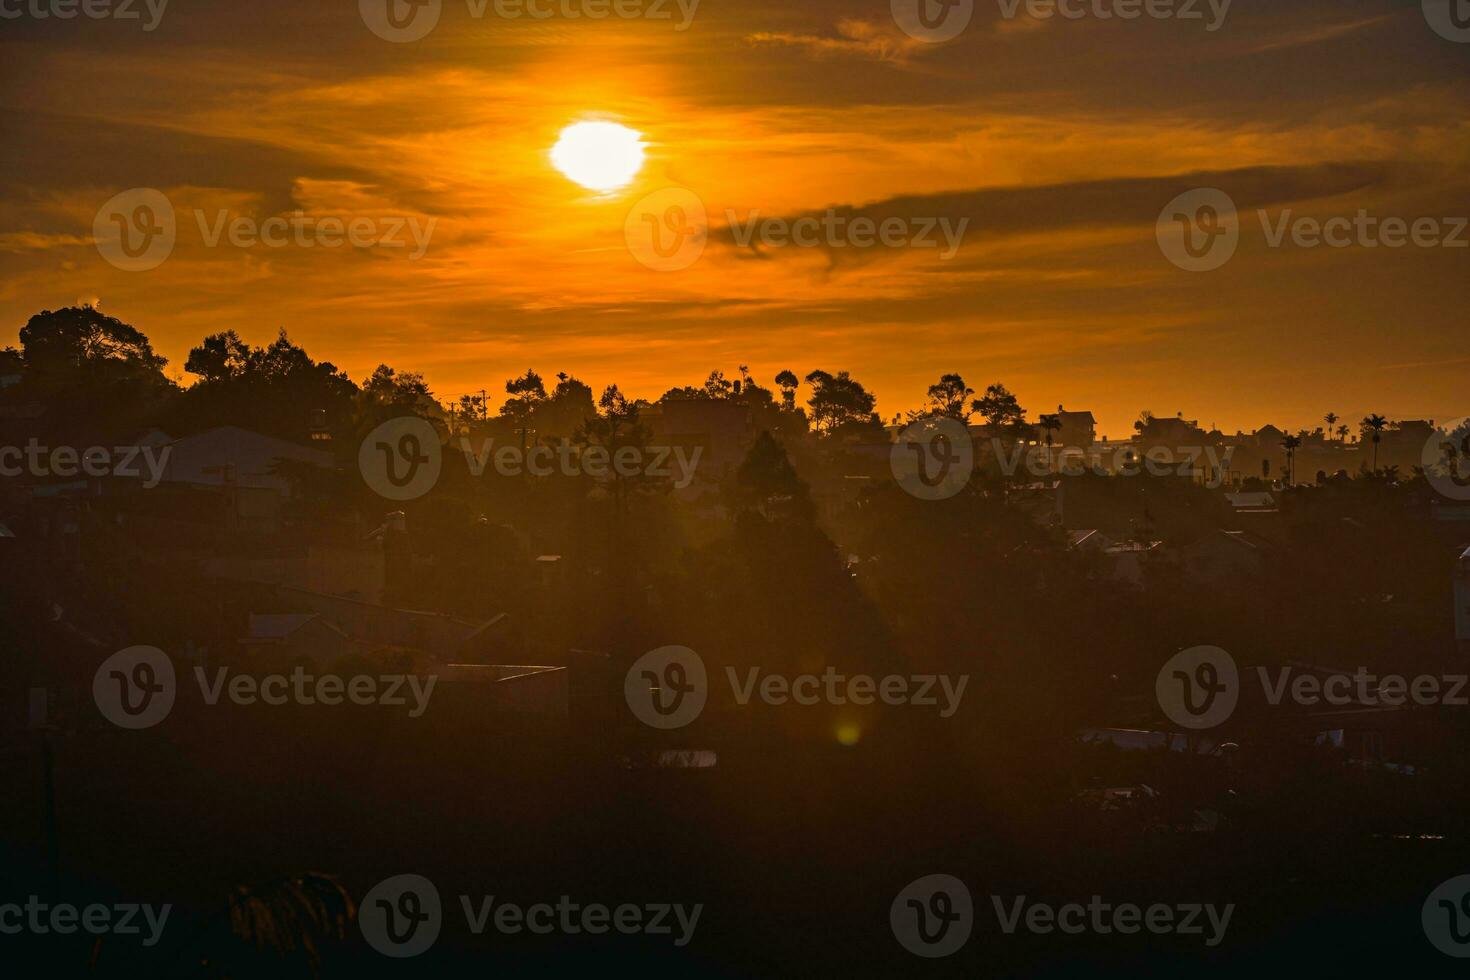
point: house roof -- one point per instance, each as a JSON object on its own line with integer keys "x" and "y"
{"x": 277, "y": 626}
{"x": 1089, "y": 538}
{"x": 202, "y": 459}
{"x": 1255, "y": 500}
{"x": 1247, "y": 539}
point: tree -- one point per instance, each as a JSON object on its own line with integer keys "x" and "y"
{"x": 467, "y": 411}
{"x": 766, "y": 481}
{"x": 1050, "y": 424}
{"x": 82, "y": 337}
{"x": 528, "y": 385}
{"x": 1375, "y": 424}
{"x": 840, "y": 402}
{"x": 1291, "y": 444}
{"x": 87, "y": 367}
{"x": 788, "y": 383}
{"x": 947, "y": 399}
{"x": 526, "y": 393}
{"x": 1331, "y": 419}
{"x": 715, "y": 386}
{"x": 1007, "y": 421}
{"x": 567, "y": 407}
{"x": 613, "y": 427}
{"x": 220, "y": 358}
{"x": 1342, "y": 433}
{"x": 1000, "y": 408}
{"x": 277, "y": 389}
{"x": 402, "y": 393}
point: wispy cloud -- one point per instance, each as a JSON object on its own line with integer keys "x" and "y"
{"x": 854, "y": 38}
{"x": 1319, "y": 34}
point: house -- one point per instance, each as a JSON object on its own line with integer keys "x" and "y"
{"x": 1402, "y": 444}
{"x": 1258, "y": 502}
{"x": 245, "y": 469}
{"x": 358, "y": 571}
{"x": 721, "y": 429}
{"x": 540, "y": 691}
{"x": 298, "y": 637}
{"x": 1172, "y": 433}
{"x": 230, "y": 457}
{"x": 1078, "y": 431}
{"x": 1088, "y": 540}
{"x": 440, "y": 637}
{"x": 1130, "y": 558}
{"x": 1223, "y": 558}
{"x": 1269, "y": 437}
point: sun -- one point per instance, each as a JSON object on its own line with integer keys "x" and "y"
{"x": 601, "y": 156}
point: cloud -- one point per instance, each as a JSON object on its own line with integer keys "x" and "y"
{"x": 1319, "y": 34}
{"x": 1121, "y": 202}
{"x": 856, "y": 38}
{"x": 30, "y": 241}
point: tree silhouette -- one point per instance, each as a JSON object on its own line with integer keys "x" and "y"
{"x": 947, "y": 399}
{"x": 1050, "y": 424}
{"x": 220, "y": 358}
{"x": 1375, "y": 424}
{"x": 1291, "y": 444}
{"x": 81, "y": 337}
{"x": 788, "y": 383}
{"x": 767, "y": 482}
{"x": 399, "y": 393}
{"x": 275, "y": 389}
{"x": 840, "y": 402}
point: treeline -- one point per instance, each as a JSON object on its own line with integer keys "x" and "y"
{"x": 86, "y": 365}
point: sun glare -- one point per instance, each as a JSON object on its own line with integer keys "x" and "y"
{"x": 601, "y": 156}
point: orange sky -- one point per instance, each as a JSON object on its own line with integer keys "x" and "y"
{"x": 1059, "y": 142}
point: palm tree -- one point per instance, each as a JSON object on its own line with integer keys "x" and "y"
{"x": 1050, "y": 423}
{"x": 1291, "y": 444}
{"x": 1342, "y": 433}
{"x": 1331, "y": 419}
{"x": 1375, "y": 424}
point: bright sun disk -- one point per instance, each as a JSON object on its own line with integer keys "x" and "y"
{"x": 601, "y": 156}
